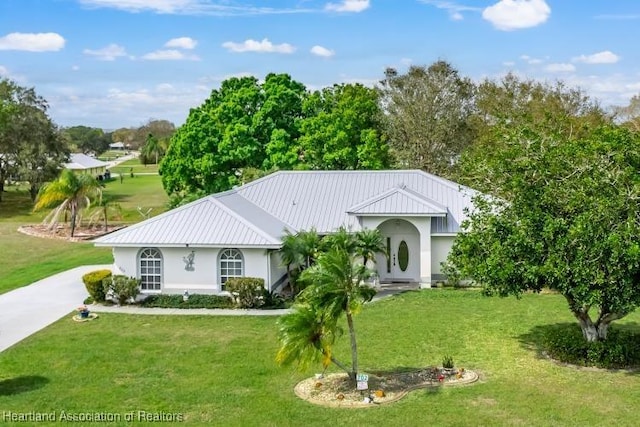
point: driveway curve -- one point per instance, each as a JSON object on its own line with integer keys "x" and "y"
{"x": 24, "y": 311}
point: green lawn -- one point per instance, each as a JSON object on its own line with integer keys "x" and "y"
{"x": 111, "y": 155}
{"x": 126, "y": 167}
{"x": 28, "y": 259}
{"x": 221, "y": 370}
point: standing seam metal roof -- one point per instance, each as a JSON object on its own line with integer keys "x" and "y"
{"x": 258, "y": 213}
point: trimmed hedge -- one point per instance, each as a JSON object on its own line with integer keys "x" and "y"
{"x": 565, "y": 343}
{"x": 195, "y": 301}
{"x": 93, "y": 282}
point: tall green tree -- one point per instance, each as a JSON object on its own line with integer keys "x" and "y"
{"x": 341, "y": 129}
{"x": 426, "y": 115}
{"x": 86, "y": 139}
{"x": 71, "y": 192}
{"x": 549, "y": 110}
{"x": 569, "y": 221}
{"x": 30, "y": 146}
{"x": 230, "y": 133}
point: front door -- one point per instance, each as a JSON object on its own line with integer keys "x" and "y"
{"x": 402, "y": 242}
{"x": 401, "y": 258}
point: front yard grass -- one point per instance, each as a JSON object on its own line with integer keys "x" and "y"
{"x": 221, "y": 370}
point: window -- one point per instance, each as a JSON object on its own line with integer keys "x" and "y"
{"x": 150, "y": 270}
{"x": 231, "y": 265}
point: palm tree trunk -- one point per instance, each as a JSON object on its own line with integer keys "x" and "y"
{"x": 354, "y": 347}
{"x": 73, "y": 218}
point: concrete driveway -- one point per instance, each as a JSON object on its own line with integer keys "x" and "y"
{"x": 26, "y": 310}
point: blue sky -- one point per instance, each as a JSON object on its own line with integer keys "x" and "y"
{"x": 119, "y": 63}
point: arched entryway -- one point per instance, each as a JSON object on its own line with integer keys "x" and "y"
{"x": 402, "y": 241}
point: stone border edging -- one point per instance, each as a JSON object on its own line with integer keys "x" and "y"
{"x": 299, "y": 391}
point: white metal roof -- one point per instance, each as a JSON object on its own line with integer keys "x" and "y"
{"x": 256, "y": 214}
{"x": 205, "y": 222}
{"x": 398, "y": 201}
{"x": 79, "y": 161}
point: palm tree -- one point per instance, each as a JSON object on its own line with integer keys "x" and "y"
{"x": 70, "y": 192}
{"x": 336, "y": 288}
{"x": 103, "y": 206}
{"x": 369, "y": 242}
{"x": 152, "y": 146}
{"x": 340, "y": 239}
{"x": 306, "y": 338}
{"x": 309, "y": 244}
{"x": 291, "y": 256}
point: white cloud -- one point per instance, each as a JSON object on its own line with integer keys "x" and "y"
{"x": 169, "y": 55}
{"x": 322, "y": 51}
{"x": 454, "y": 9}
{"x": 190, "y": 7}
{"x": 32, "y": 42}
{"x": 530, "y": 60}
{"x": 160, "y": 6}
{"x": 560, "y": 68}
{"x": 75, "y": 68}
{"x": 182, "y": 43}
{"x": 4, "y": 71}
{"x": 509, "y": 15}
{"x": 348, "y": 6}
{"x": 117, "y": 106}
{"x": 107, "y": 53}
{"x": 604, "y": 57}
{"x": 508, "y": 63}
{"x": 620, "y": 17}
{"x": 264, "y": 46}
{"x": 406, "y": 61}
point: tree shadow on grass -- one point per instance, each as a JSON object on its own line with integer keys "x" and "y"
{"x": 17, "y": 385}
{"x": 535, "y": 338}
{"x": 539, "y": 336}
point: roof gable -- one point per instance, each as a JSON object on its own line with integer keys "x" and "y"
{"x": 205, "y": 222}
{"x": 398, "y": 201}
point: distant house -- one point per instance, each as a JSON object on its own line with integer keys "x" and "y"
{"x": 81, "y": 163}
{"x": 199, "y": 246}
{"x": 117, "y": 146}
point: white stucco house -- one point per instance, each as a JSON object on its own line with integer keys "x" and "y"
{"x": 198, "y": 246}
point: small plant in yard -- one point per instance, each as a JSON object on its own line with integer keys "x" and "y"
{"x": 447, "y": 362}
{"x": 123, "y": 288}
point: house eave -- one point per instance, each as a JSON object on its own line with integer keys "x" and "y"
{"x": 398, "y": 214}
{"x": 187, "y": 245}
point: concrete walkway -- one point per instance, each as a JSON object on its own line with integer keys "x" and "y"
{"x": 27, "y": 310}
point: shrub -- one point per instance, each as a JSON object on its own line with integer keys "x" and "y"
{"x": 273, "y": 300}
{"x": 247, "y": 292}
{"x": 565, "y": 343}
{"x": 122, "y": 288}
{"x": 93, "y": 282}
{"x": 447, "y": 362}
{"x": 194, "y": 301}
